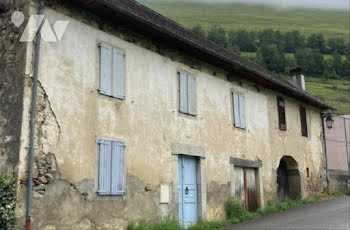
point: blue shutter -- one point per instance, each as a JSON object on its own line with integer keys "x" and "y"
{"x": 118, "y": 169}
{"x": 237, "y": 119}
{"x": 183, "y": 93}
{"x": 104, "y": 176}
{"x": 242, "y": 110}
{"x": 191, "y": 94}
{"x": 106, "y": 69}
{"x": 118, "y": 72}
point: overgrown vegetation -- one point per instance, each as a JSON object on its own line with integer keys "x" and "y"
{"x": 235, "y": 213}
{"x": 269, "y": 48}
{"x": 7, "y": 202}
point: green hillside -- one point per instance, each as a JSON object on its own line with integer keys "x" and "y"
{"x": 258, "y": 17}
{"x": 254, "y": 17}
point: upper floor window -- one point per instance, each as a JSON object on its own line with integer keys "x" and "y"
{"x": 239, "y": 110}
{"x": 187, "y": 94}
{"x": 112, "y": 71}
{"x": 111, "y": 169}
{"x": 281, "y": 113}
{"x": 303, "y": 121}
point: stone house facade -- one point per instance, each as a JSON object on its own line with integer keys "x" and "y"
{"x": 138, "y": 118}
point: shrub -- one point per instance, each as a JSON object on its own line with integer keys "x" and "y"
{"x": 236, "y": 212}
{"x": 7, "y": 202}
{"x": 163, "y": 225}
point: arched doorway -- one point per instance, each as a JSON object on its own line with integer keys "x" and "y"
{"x": 288, "y": 179}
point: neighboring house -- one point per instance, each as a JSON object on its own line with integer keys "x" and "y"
{"x": 338, "y": 150}
{"x": 138, "y": 118}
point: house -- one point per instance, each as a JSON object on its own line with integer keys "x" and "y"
{"x": 338, "y": 150}
{"x": 138, "y": 118}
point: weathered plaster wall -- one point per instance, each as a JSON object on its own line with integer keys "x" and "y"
{"x": 12, "y": 64}
{"x": 72, "y": 117}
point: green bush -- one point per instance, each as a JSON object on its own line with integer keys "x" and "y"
{"x": 7, "y": 203}
{"x": 163, "y": 225}
{"x": 236, "y": 212}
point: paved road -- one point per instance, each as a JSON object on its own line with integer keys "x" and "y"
{"x": 331, "y": 214}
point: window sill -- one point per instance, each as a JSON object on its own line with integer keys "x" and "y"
{"x": 110, "y": 96}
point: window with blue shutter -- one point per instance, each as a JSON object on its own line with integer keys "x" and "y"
{"x": 112, "y": 71}
{"x": 239, "y": 116}
{"x": 111, "y": 171}
{"x": 187, "y": 94}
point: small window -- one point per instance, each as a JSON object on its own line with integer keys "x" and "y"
{"x": 307, "y": 173}
{"x": 112, "y": 71}
{"x": 303, "y": 121}
{"x": 111, "y": 170}
{"x": 187, "y": 94}
{"x": 239, "y": 110}
{"x": 281, "y": 113}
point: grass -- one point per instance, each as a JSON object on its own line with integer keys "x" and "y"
{"x": 233, "y": 16}
{"x": 235, "y": 213}
{"x": 334, "y": 92}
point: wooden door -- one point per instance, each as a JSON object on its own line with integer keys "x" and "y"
{"x": 245, "y": 187}
{"x": 187, "y": 191}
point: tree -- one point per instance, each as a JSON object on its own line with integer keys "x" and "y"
{"x": 336, "y": 45}
{"x": 269, "y": 36}
{"x": 293, "y": 40}
{"x": 198, "y": 30}
{"x": 337, "y": 64}
{"x": 317, "y": 42}
{"x": 272, "y": 58}
{"x": 311, "y": 61}
{"x": 218, "y": 35}
{"x": 243, "y": 40}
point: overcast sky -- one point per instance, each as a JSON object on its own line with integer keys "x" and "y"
{"x": 324, "y": 4}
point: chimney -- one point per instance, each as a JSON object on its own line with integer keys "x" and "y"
{"x": 298, "y": 78}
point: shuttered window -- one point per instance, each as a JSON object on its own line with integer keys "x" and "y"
{"x": 303, "y": 121}
{"x": 111, "y": 174}
{"x": 187, "y": 94}
{"x": 112, "y": 71}
{"x": 281, "y": 113}
{"x": 239, "y": 110}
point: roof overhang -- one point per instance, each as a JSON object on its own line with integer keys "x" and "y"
{"x": 145, "y": 21}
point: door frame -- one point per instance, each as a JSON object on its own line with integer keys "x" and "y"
{"x": 199, "y": 153}
{"x": 243, "y": 163}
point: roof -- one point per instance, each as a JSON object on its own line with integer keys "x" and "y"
{"x": 149, "y": 23}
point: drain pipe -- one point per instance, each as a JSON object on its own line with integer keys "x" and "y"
{"x": 32, "y": 122}
{"x": 325, "y": 147}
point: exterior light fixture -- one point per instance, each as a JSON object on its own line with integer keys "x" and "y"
{"x": 329, "y": 121}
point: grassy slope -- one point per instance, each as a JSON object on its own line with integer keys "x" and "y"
{"x": 255, "y": 17}
{"x": 249, "y": 17}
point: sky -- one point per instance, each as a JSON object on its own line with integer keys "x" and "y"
{"x": 323, "y": 4}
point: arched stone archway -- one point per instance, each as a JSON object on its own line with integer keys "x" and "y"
{"x": 288, "y": 179}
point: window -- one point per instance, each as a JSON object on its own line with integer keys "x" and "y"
{"x": 303, "y": 121}
{"x": 239, "y": 110}
{"x": 187, "y": 94}
{"x": 281, "y": 113}
{"x": 111, "y": 170}
{"x": 307, "y": 173}
{"x": 112, "y": 71}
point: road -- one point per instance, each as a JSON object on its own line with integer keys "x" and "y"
{"x": 330, "y": 214}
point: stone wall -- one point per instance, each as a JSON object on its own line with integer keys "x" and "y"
{"x": 12, "y": 66}
{"x": 338, "y": 180}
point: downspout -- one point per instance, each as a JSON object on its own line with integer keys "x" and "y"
{"x": 346, "y": 145}
{"x": 32, "y": 122}
{"x": 325, "y": 148}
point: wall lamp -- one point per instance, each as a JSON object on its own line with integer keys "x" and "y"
{"x": 329, "y": 120}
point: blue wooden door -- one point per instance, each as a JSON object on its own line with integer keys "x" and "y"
{"x": 187, "y": 190}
